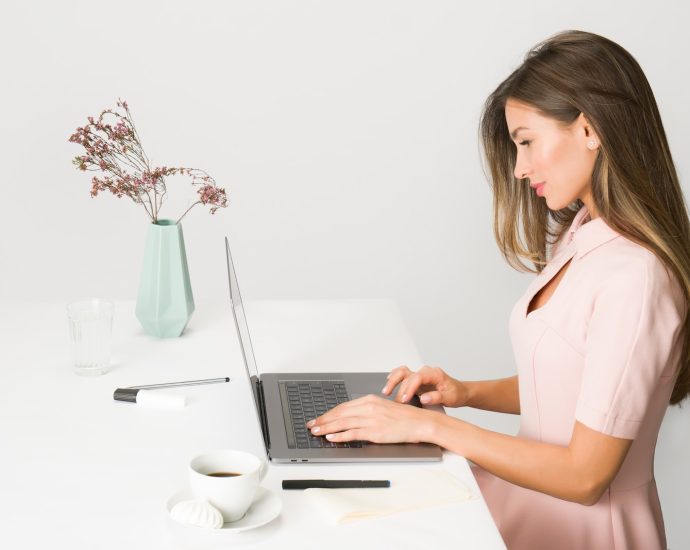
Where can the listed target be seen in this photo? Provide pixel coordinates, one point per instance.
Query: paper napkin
(410, 491)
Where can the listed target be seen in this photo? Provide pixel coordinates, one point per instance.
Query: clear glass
(91, 324)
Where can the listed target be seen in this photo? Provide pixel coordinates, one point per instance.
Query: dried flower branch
(114, 148)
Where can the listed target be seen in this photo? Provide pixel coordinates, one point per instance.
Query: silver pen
(177, 384)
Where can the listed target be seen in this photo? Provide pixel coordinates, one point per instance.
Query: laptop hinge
(263, 416)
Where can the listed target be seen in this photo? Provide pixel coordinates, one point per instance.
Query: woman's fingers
(364, 407)
(339, 425)
(425, 376)
(348, 435)
(411, 381)
(371, 418)
(367, 426)
(394, 378)
(336, 412)
(356, 414)
(431, 398)
(407, 387)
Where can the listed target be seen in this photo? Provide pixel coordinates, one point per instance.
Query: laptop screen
(243, 331)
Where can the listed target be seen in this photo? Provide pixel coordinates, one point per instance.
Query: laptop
(286, 401)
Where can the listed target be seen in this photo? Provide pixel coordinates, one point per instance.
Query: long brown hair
(634, 182)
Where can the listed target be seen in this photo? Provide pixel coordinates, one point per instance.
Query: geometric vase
(165, 302)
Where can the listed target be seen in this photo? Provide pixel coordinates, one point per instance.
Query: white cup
(232, 495)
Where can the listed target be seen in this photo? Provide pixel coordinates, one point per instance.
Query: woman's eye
(525, 142)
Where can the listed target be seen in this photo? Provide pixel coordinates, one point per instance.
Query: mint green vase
(165, 302)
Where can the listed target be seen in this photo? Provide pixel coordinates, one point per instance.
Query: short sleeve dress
(604, 351)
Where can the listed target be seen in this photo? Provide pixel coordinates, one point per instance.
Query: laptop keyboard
(307, 400)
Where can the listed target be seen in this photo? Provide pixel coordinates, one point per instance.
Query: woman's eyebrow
(514, 132)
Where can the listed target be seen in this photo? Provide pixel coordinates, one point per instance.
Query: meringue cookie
(197, 513)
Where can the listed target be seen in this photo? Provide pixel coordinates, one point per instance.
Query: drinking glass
(90, 323)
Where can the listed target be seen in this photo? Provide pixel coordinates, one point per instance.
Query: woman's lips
(538, 187)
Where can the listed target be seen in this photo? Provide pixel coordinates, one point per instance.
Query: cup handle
(263, 470)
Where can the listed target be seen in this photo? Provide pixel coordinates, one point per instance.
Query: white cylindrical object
(157, 399)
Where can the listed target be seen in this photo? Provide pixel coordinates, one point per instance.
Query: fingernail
(315, 430)
(424, 399)
(310, 423)
(404, 397)
(329, 436)
(384, 389)
(388, 377)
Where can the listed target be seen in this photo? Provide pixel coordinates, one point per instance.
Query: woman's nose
(522, 170)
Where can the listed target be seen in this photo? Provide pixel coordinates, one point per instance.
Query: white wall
(345, 133)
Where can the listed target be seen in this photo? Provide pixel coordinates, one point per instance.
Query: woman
(585, 189)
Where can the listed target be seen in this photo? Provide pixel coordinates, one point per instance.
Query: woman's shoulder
(626, 257)
(627, 267)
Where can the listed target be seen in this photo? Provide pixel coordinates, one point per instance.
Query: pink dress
(603, 350)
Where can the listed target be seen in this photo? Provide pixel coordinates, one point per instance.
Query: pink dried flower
(113, 147)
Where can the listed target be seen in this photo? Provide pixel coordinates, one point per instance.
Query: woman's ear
(586, 133)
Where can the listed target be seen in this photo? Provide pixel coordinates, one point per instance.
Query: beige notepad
(409, 491)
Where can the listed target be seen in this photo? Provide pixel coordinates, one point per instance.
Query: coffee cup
(228, 480)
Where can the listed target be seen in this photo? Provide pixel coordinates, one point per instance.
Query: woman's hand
(432, 384)
(373, 418)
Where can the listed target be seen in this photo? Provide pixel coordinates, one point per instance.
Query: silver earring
(591, 144)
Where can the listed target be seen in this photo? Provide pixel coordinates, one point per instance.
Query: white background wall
(345, 134)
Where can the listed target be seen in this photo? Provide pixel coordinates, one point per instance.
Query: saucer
(265, 507)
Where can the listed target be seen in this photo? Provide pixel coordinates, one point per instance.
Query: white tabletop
(78, 470)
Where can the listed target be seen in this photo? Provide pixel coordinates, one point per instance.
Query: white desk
(80, 471)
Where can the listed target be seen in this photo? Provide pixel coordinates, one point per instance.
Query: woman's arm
(494, 395)
(580, 472)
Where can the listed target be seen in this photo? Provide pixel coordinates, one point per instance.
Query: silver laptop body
(274, 395)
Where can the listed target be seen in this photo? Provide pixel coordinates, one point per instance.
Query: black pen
(335, 483)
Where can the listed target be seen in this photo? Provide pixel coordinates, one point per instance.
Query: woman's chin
(555, 204)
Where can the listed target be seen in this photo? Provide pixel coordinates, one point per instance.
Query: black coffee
(224, 474)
